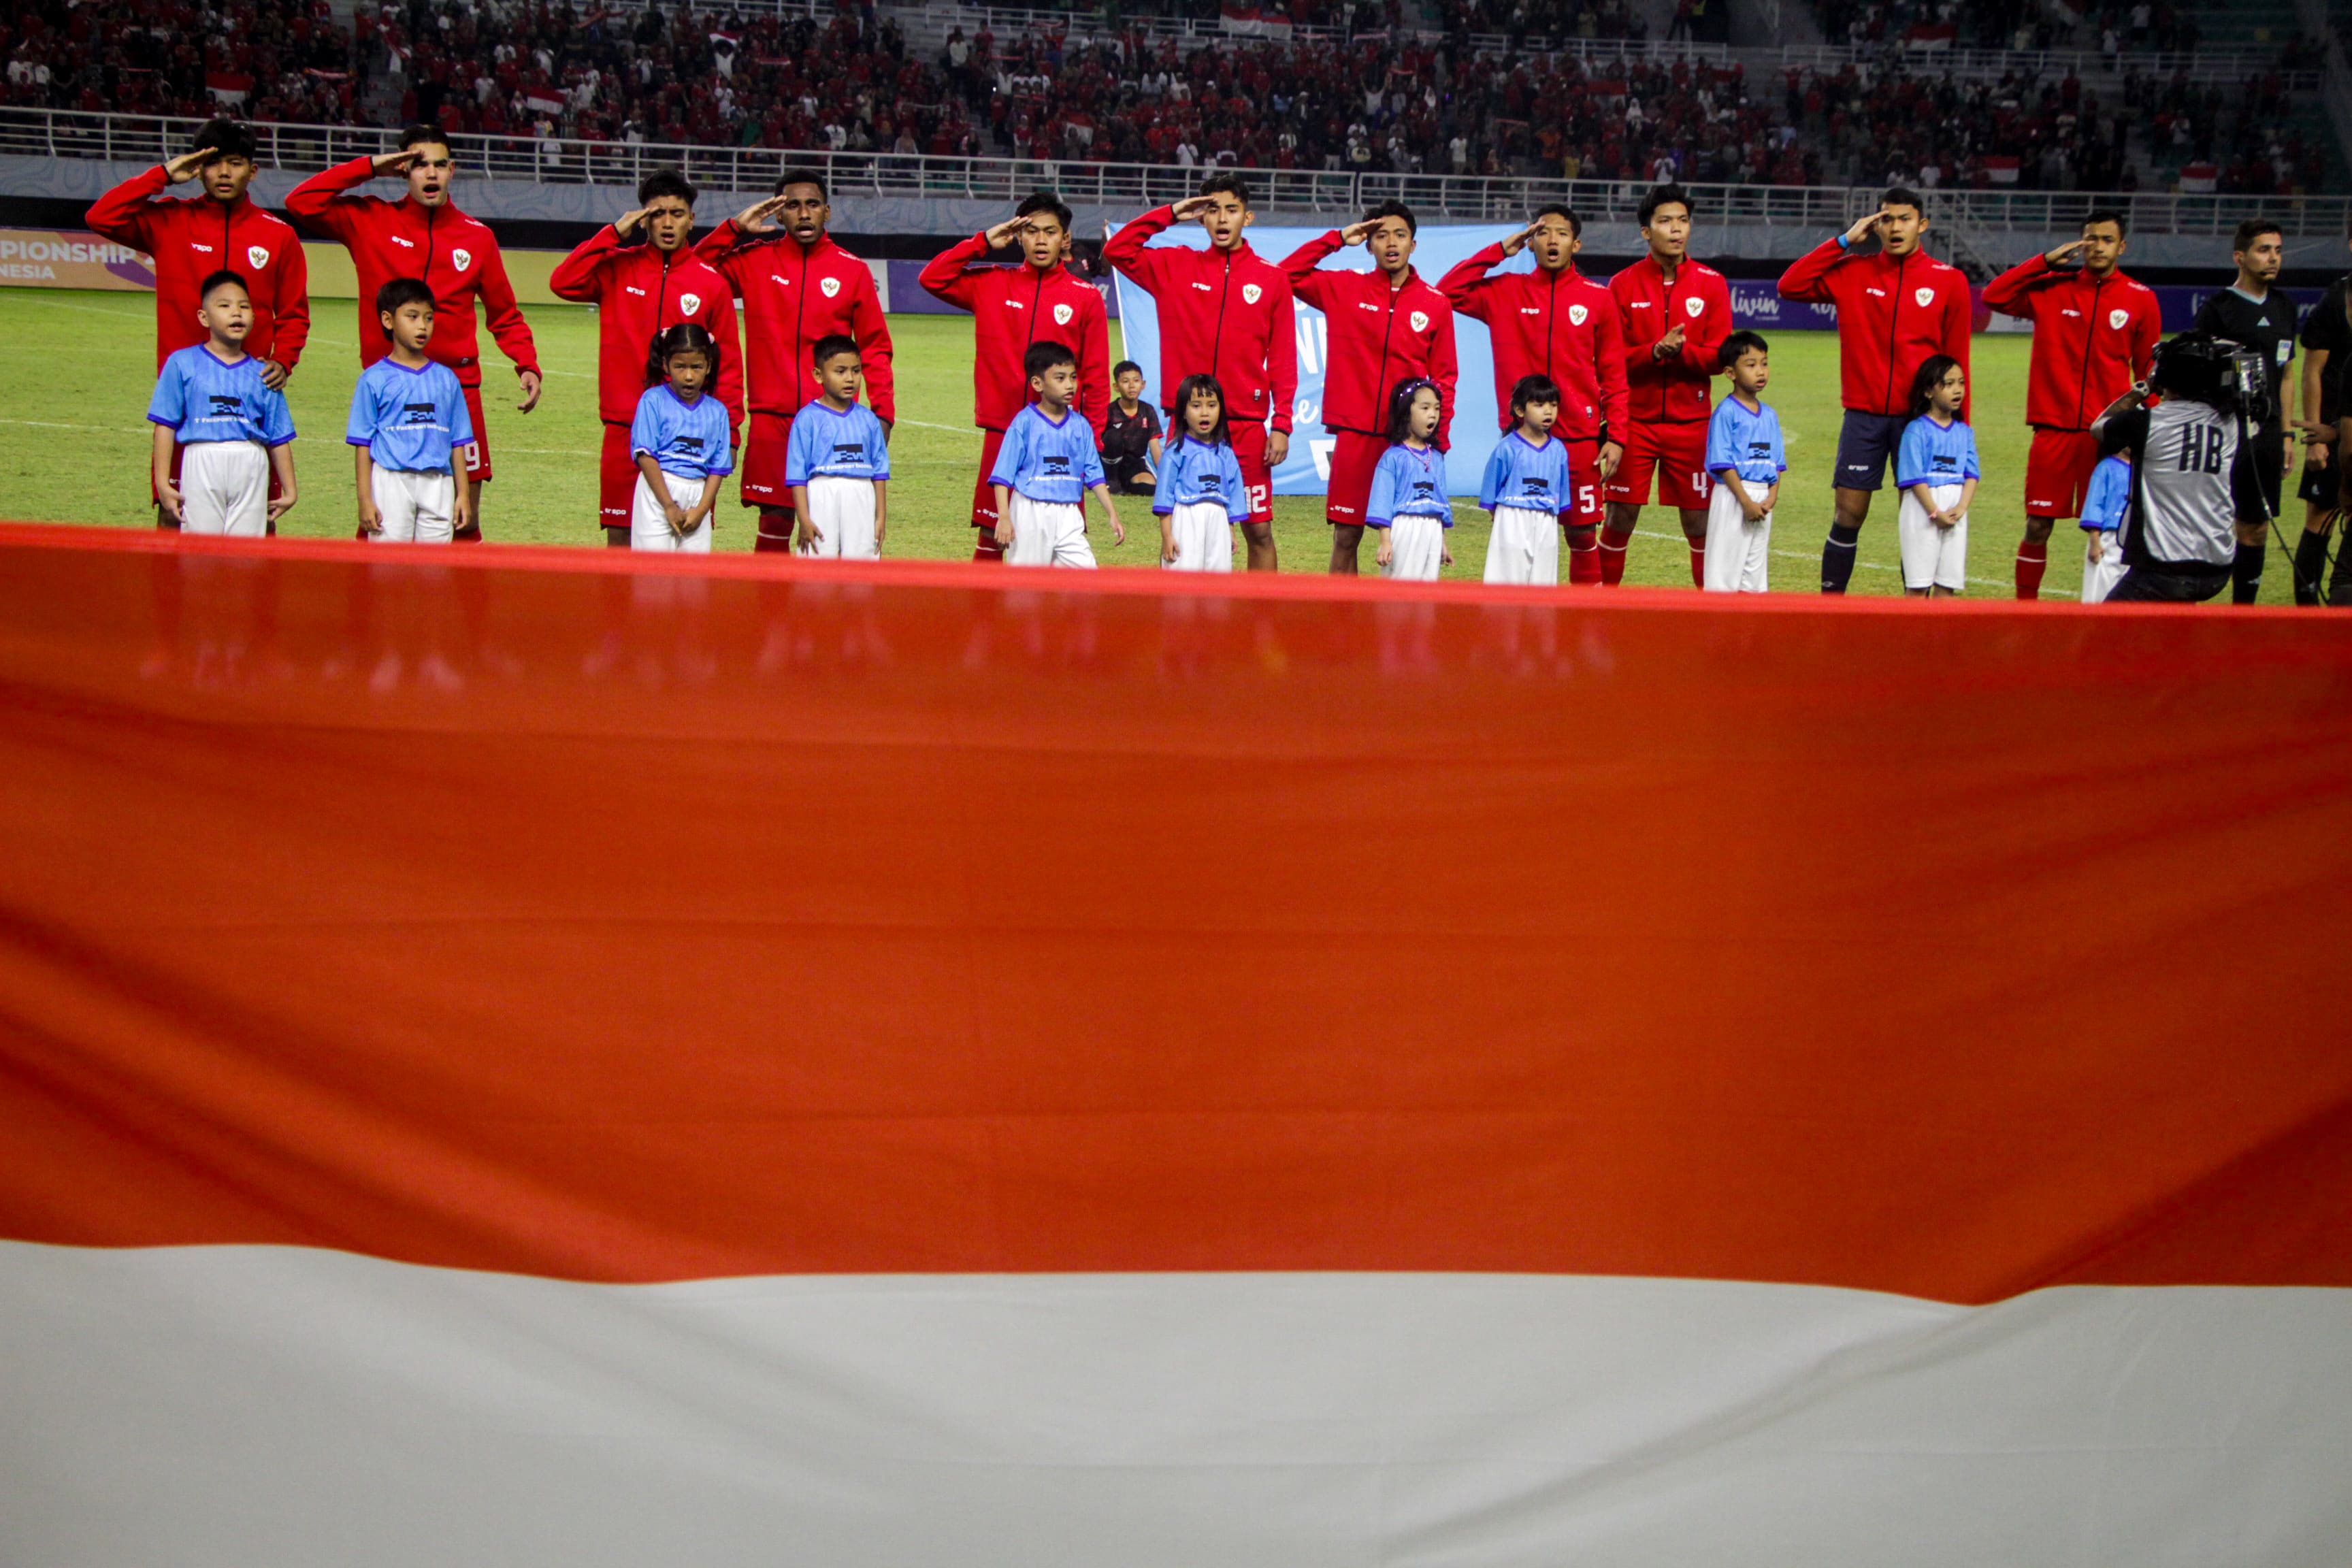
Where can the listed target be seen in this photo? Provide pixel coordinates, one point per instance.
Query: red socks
(1613, 555)
(1698, 562)
(1584, 563)
(2032, 560)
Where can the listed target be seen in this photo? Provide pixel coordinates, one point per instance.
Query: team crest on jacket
(1692, 307)
(1925, 296)
(1575, 314)
(1420, 320)
(258, 255)
(1062, 314)
(689, 303)
(2116, 319)
(1250, 291)
(464, 259)
(829, 287)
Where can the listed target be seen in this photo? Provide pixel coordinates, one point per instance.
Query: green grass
(74, 442)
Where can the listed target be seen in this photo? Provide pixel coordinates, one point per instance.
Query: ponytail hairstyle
(1925, 383)
(1401, 406)
(683, 338)
(1188, 389)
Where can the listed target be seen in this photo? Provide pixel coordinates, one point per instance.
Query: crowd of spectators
(2136, 25)
(268, 59)
(1383, 100)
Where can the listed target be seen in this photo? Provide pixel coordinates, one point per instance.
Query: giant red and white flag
(515, 1061)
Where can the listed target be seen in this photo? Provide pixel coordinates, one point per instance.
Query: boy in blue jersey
(1936, 468)
(233, 431)
(1046, 467)
(1526, 488)
(837, 461)
(1200, 484)
(2104, 501)
(1745, 454)
(682, 442)
(409, 429)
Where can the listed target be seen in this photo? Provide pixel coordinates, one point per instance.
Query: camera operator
(2194, 472)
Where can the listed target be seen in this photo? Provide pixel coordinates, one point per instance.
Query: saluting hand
(1005, 233)
(183, 168)
(398, 162)
(628, 221)
(1191, 206)
(1354, 232)
(2064, 253)
(753, 219)
(1863, 227)
(1518, 241)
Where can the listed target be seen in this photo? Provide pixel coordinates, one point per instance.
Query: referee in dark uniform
(2256, 312)
(2327, 354)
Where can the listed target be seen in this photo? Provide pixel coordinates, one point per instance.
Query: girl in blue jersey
(1408, 503)
(2104, 501)
(1199, 483)
(1936, 470)
(680, 441)
(1526, 487)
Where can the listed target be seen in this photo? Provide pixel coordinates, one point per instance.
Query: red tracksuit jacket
(191, 239)
(1226, 314)
(1562, 324)
(1013, 307)
(2093, 337)
(1374, 336)
(1677, 391)
(638, 292)
(1893, 316)
(455, 256)
(791, 297)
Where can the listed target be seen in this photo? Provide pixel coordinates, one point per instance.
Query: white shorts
(1416, 548)
(1203, 533)
(1738, 551)
(1932, 557)
(1048, 533)
(841, 515)
(2100, 577)
(418, 508)
(649, 524)
(1523, 546)
(224, 488)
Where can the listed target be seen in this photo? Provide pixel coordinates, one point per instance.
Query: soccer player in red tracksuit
(1041, 300)
(798, 287)
(1556, 321)
(425, 236)
(1676, 313)
(638, 290)
(221, 229)
(2095, 333)
(1380, 328)
(1224, 313)
(1897, 308)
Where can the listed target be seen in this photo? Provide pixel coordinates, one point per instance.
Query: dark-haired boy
(1131, 439)
(222, 434)
(2256, 312)
(1040, 301)
(1225, 311)
(1380, 327)
(1044, 468)
(409, 429)
(798, 287)
(1897, 308)
(641, 277)
(424, 235)
(1675, 314)
(1557, 322)
(2095, 334)
(838, 462)
(222, 229)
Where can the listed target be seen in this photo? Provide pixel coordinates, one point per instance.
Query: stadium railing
(68, 133)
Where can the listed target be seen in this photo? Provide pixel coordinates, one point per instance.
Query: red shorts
(1675, 452)
(2058, 471)
(616, 478)
(477, 456)
(983, 494)
(761, 473)
(1354, 456)
(1257, 478)
(1585, 509)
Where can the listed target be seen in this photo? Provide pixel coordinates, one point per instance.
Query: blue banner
(1309, 464)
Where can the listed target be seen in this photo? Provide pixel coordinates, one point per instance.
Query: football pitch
(74, 445)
